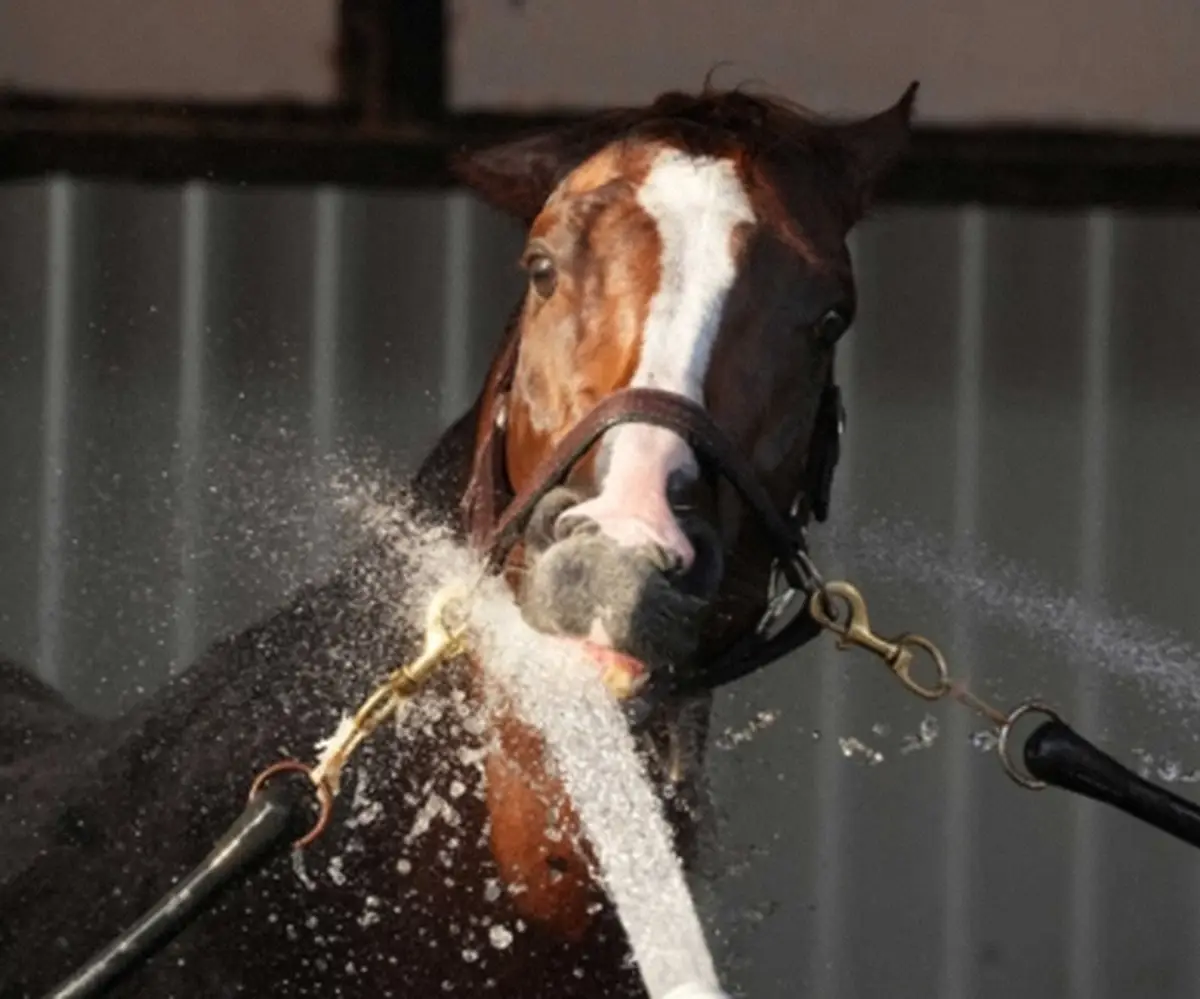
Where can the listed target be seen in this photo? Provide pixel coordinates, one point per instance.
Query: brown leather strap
(487, 493)
(680, 415)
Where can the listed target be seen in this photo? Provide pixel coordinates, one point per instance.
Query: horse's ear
(874, 144)
(517, 176)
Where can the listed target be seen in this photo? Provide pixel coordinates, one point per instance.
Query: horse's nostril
(703, 577)
(569, 524)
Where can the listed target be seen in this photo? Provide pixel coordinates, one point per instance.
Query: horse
(687, 277)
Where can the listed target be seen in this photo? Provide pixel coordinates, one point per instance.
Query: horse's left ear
(517, 176)
(873, 145)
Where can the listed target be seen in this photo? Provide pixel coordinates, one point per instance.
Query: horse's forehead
(627, 162)
(631, 165)
(630, 172)
(624, 164)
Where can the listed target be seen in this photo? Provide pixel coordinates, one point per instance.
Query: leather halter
(495, 517)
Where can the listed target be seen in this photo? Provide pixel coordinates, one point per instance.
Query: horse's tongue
(622, 674)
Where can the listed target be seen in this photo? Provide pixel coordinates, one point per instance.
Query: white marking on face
(696, 203)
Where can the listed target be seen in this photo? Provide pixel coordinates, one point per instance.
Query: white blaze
(696, 204)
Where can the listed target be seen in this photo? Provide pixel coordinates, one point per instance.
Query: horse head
(696, 247)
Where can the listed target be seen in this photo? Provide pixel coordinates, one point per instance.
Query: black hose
(1057, 754)
(268, 822)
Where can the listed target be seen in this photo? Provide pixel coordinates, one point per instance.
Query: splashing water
(1001, 590)
(557, 689)
(289, 518)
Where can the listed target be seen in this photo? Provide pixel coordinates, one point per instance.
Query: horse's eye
(543, 276)
(832, 325)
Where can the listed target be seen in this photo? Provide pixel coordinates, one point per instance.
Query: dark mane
(715, 123)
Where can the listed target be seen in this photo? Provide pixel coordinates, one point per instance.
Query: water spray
(274, 818)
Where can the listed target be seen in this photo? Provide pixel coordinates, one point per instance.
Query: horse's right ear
(517, 176)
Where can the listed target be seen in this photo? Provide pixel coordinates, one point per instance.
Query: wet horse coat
(413, 898)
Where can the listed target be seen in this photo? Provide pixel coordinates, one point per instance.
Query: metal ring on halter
(1010, 767)
(324, 796)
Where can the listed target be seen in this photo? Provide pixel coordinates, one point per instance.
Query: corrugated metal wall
(1019, 485)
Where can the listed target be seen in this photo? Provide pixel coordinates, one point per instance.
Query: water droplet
(985, 740)
(500, 937)
(853, 747)
(925, 737)
(1169, 771)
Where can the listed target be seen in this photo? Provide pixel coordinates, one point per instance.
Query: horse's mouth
(622, 674)
(634, 619)
(630, 622)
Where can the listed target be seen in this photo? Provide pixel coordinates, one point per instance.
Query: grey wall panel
(1089, 902)
(22, 346)
(1154, 479)
(252, 491)
(1028, 439)
(185, 372)
(118, 521)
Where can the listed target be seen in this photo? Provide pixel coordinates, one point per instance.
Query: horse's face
(655, 267)
(700, 250)
(696, 246)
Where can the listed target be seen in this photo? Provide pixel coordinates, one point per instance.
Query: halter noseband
(495, 517)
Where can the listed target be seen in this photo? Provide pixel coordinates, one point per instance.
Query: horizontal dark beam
(1011, 166)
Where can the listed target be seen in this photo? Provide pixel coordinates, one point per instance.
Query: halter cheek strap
(825, 450)
(488, 490)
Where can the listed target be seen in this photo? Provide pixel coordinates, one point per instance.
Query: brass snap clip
(853, 628)
(445, 639)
